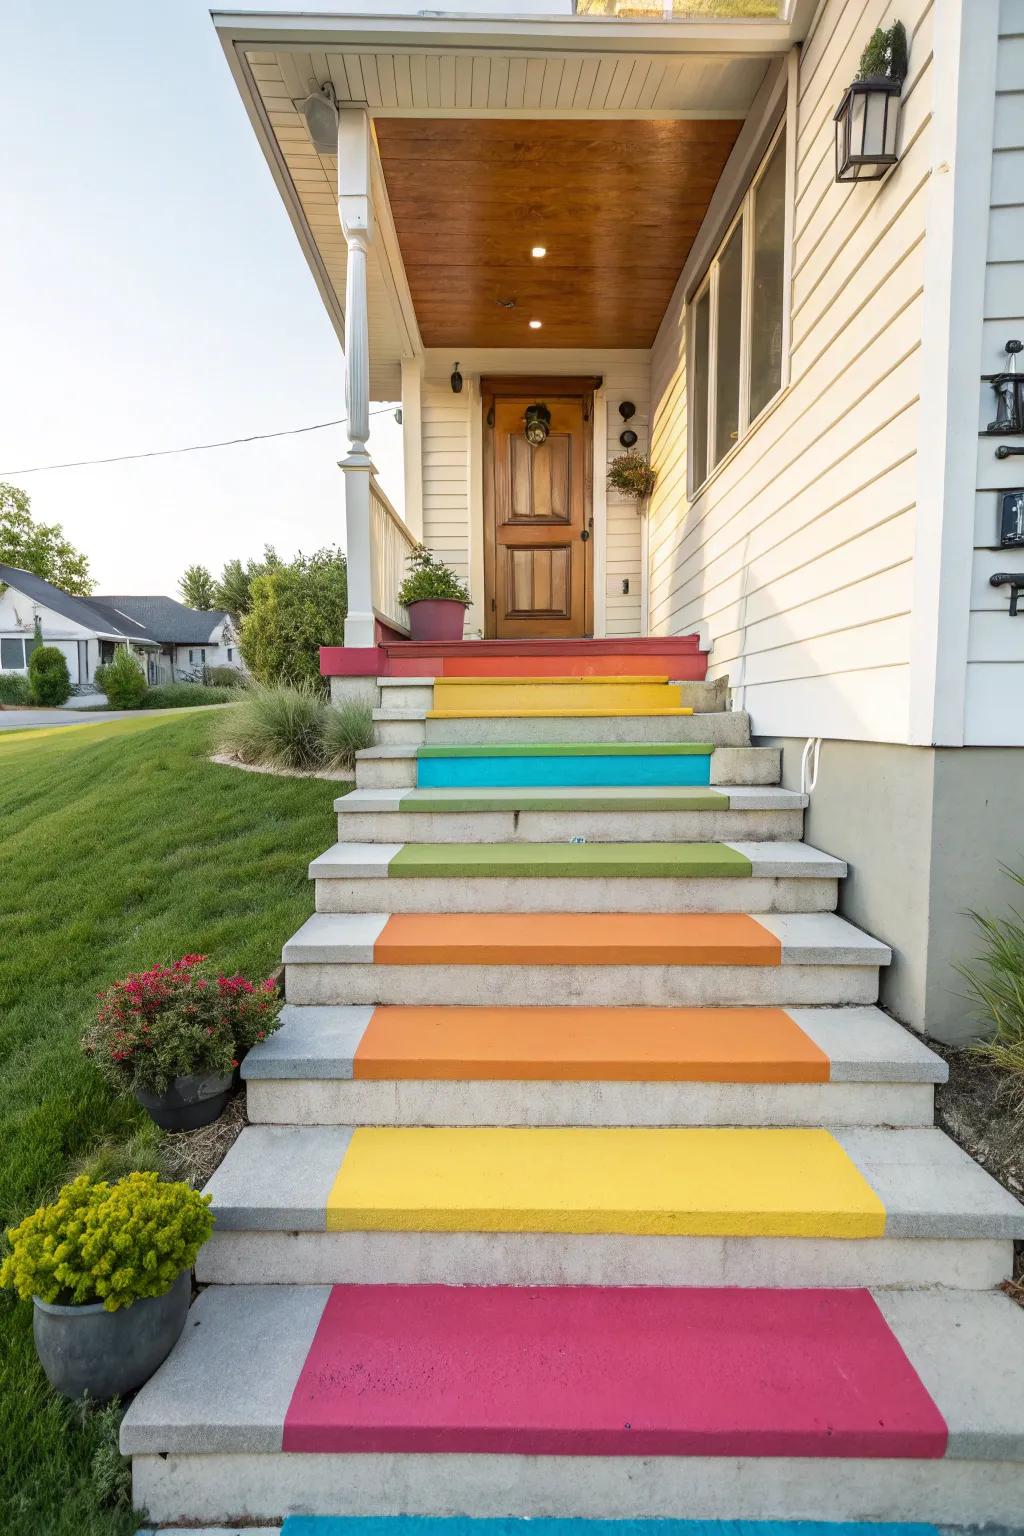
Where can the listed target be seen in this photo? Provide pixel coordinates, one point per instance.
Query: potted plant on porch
(434, 596)
(174, 1036)
(108, 1268)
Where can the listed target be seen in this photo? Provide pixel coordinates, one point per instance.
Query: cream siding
(795, 561)
(995, 652)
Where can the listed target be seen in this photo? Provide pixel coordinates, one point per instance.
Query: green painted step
(585, 860)
(576, 749)
(679, 798)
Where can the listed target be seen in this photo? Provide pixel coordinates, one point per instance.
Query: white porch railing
(391, 542)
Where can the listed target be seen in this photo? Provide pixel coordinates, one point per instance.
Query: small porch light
(321, 113)
(538, 424)
(1009, 390)
(539, 251)
(867, 118)
(456, 380)
(535, 325)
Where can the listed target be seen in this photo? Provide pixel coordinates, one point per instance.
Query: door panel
(537, 518)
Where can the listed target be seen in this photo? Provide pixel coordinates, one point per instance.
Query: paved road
(32, 719)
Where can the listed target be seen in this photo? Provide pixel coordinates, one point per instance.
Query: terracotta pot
(108, 1354)
(436, 618)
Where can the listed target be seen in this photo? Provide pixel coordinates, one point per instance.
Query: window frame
(743, 214)
(14, 640)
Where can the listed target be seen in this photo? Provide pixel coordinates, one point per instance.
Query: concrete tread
(639, 798)
(775, 860)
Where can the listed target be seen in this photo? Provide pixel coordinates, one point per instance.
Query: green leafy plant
(885, 56)
(996, 983)
(49, 681)
(631, 475)
(14, 688)
(225, 677)
(429, 579)
(276, 726)
(294, 609)
(111, 1472)
(173, 1021)
(197, 588)
(122, 680)
(109, 1243)
(348, 730)
(185, 695)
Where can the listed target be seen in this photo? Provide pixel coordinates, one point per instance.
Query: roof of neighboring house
(164, 619)
(91, 613)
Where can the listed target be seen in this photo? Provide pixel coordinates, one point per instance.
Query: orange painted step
(574, 938)
(696, 1045)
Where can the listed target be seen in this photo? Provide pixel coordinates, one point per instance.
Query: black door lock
(585, 534)
(1012, 579)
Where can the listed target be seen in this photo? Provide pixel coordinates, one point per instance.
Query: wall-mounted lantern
(1009, 388)
(1011, 520)
(456, 381)
(1012, 579)
(537, 424)
(867, 118)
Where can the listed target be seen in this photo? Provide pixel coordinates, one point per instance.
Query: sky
(153, 294)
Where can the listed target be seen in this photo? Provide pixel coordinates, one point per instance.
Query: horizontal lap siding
(995, 649)
(445, 452)
(624, 381)
(796, 561)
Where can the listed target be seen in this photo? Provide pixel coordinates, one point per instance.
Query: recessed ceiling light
(539, 250)
(535, 325)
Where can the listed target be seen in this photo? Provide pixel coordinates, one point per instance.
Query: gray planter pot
(189, 1102)
(108, 1354)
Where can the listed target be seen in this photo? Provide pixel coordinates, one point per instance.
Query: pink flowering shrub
(175, 1020)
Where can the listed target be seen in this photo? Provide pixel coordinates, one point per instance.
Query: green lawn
(121, 845)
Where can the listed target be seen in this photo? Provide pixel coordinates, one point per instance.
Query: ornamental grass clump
(276, 726)
(178, 1021)
(109, 1243)
(996, 982)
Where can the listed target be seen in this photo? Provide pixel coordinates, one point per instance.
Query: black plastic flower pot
(189, 1103)
(109, 1354)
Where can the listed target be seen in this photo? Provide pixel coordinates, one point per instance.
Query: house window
(12, 656)
(736, 321)
(231, 654)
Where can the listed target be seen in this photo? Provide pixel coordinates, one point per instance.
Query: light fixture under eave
(321, 113)
(535, 325)
(868, 117)
(539, 251)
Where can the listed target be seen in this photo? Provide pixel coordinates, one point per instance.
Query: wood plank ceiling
(615, 203)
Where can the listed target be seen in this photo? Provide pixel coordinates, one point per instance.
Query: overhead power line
(159, 453)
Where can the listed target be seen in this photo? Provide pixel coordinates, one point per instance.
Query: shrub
(14, 688)
(49, 681)
(996, 983)
(113, 1243)
(294, 609)
(348, 729)
(631, 475)
(171, 1021)
(277, 726)
(122, 680)
(429, 578)
(225, 677)
(184, 695)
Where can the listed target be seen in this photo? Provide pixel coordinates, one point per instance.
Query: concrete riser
(525, 894)
(609, 985)
(729, 765)
(345, 1101)
(727, 729)
(552, 826)
(224, 1489)
(546, 1258)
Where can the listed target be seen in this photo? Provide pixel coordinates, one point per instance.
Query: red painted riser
(598, 1371)
(676, 657)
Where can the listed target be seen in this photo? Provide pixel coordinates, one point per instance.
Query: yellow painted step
(696, 1182)
(549, 713)
(552, 695)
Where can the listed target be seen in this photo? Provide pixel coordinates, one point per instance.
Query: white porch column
(355, 212)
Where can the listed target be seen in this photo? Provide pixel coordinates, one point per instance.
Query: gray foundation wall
(925, 832)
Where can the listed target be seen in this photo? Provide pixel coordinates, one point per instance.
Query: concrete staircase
(585, 1177)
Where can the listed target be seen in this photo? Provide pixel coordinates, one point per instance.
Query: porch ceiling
(616, 205)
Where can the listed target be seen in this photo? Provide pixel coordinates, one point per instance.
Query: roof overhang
(424, 66)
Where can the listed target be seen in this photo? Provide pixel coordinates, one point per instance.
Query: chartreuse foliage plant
(109, 1243)
(429, 579)
(122, 680)
(49, 681)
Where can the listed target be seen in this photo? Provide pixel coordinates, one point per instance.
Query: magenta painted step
(596, 1371)
(677, 656)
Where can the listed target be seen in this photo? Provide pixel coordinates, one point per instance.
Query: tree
(48, 678)
(295, 608)
(39, 547)
(233, 592)
(196, 588)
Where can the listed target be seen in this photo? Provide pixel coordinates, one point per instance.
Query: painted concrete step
(420, 1525)
(396, 765)
(730, 728)
(591, 1066)
(512, 696)
(427, 1400)
(576, 877)
(676, 655)
(418, 692)
(612, 814)
(548, 764)
(607, 959)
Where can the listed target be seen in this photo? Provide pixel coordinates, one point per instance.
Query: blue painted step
(421, 1525)
(569, 766)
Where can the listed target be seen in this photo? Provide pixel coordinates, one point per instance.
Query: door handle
(585, 534)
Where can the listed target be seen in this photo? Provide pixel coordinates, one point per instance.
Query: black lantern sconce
(537, 424)
(867, 118)
(1009, 389)
(628, 438)
(456, 381)
(1011, 520)
(1015, 581)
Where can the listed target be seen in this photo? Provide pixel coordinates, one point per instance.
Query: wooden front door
(538, 544)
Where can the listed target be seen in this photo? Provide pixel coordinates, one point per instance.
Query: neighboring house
(170, 640)
(638, 223)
